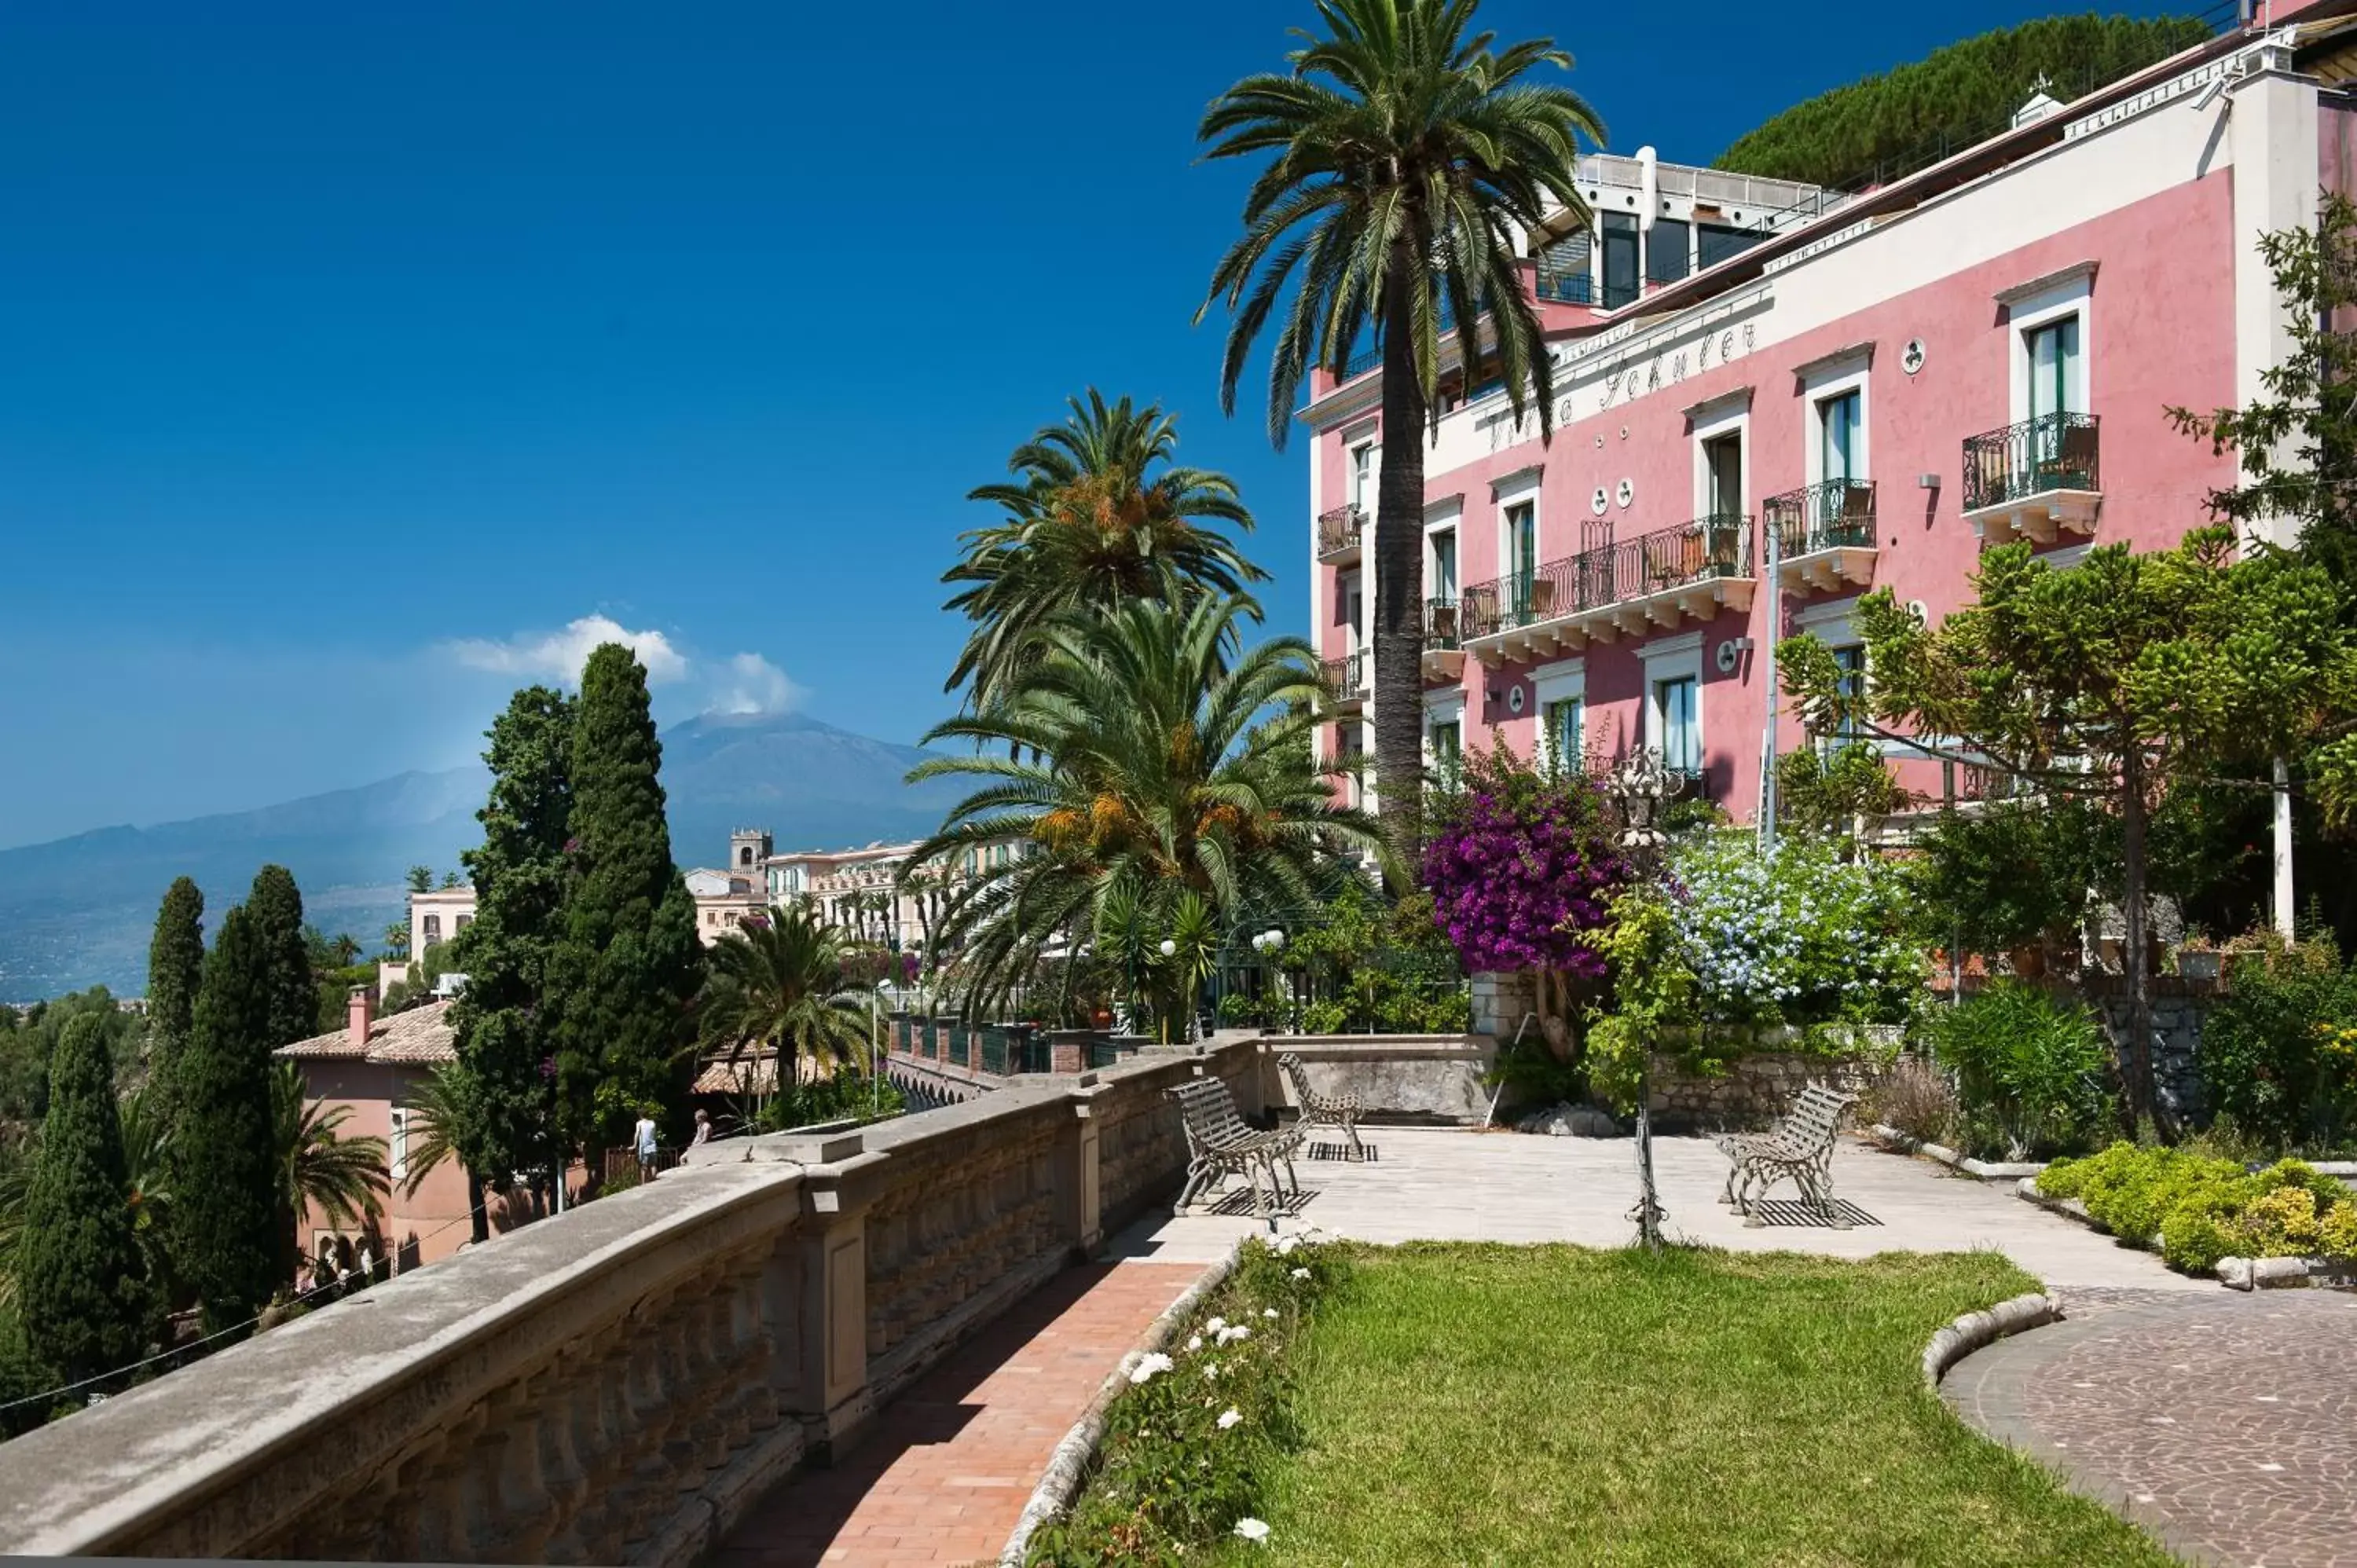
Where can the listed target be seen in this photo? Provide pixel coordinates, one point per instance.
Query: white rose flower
(1149, 1365)
(1216, 1324)
(1229, 1417)
(1301, 1273)
(1195, 1342)
(1285, 1248)
(1251, 1528)
(1268, 1312)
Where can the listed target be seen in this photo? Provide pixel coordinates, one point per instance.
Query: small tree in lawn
(2105, 681)
(1522, 872)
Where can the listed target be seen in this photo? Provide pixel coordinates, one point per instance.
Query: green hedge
(2195, 1209)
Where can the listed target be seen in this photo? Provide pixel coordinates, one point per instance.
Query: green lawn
(1466, 1404)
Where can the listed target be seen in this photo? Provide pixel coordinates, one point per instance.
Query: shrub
(2195, 1209)
(1797, 936)
(2278, 1054)
(1520, 867)
(2031, 1069)
(1187, 1446)
(1914, 1098)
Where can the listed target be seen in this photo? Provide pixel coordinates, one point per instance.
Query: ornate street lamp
(1642, 788)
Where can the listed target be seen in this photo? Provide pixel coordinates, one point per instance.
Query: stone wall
(1755, 1090)
(1429, 1078)
(618, 1383)
(2177, 1008)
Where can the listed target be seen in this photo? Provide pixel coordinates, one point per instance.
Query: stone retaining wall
(619, 1383)
(1755, 1092)
(1428, 1079)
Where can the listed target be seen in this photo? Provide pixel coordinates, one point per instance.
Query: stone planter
(2205, 963)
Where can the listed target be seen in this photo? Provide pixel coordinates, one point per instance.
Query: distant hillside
(77, 911)
(1875, 130)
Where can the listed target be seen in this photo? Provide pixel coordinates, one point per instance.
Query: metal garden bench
(1218, 1143)
(1800, 1149)
(1322, 1110)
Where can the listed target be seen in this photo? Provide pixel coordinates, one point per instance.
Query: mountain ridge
(76, 911)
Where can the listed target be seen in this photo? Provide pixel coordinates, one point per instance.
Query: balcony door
(1444, 566)
(1722, 458)
(1362, 477)
(1522, 554)
(1681, 736)
(1841, 460)
(2057, 390)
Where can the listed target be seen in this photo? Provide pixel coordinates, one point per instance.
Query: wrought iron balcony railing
(1346, 678)
(1833, 515)
(1573, 286)
(2035, 457)
(1338, 531)
(1708, 549)
(1443, 625)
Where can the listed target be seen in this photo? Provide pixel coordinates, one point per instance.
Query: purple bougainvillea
(1521, 868)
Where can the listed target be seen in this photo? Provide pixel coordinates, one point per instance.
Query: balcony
(1631, 588)
(1346, 683)
(1444, 646)
(2036, 480)
(1824, 536)
(1338, 532)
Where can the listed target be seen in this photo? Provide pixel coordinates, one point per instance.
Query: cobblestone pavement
(2225, 1424)
(944, 1474)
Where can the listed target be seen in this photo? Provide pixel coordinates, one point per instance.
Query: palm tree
(439, 1108)
(145, 1134)
(1088, 524)
(779, 987)
(1136, 762)
(343, 1179)
(1409, 160)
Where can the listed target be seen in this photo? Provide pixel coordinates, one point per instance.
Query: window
(1442, 738)
(1444, 566)
(1619, 259)
(2056, 385)
(1722, 458)
(1850, 660)
(1565, 271)
(1522, 546)
(1562, 726)
(1681, 736)
(1354, 604)
(462, 923)
(1715, 241)
(432, 927)
(1838, 419)
(398, 1144)
(1665, 251)
(1362, 473)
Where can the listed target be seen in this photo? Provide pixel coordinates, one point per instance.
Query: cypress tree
(629, 964)
(224, 1188)
(504, 1032)
(275, 907)
(176, 964)
(83, 1288)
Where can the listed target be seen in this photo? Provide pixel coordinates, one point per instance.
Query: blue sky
(358, 361)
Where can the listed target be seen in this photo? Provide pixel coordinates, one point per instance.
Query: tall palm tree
(1097, 513)
(343, 1178)
(144, 1159)
(1408, 159)
(1136, 761)
(440, 1107)
(779, 987)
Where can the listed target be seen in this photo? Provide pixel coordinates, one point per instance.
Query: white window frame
(1446, 517)
(1562, 683)
(1736, 422)
(397, 1142)
(1355, 483)
(1444, 707)
(2072, 297)
(1671, 659)
(1840, 381)
(1505, 494)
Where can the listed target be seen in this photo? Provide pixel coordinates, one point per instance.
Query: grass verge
(1461, 1404)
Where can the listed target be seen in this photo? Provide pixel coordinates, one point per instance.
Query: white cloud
(748, 683)
(559, 655)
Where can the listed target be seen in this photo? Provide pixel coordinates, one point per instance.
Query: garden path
(2220, 1421)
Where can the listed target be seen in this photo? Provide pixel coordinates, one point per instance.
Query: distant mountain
(77, 911)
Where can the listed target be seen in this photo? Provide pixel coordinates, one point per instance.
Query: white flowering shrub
(1186, 1446)
(1795, 937)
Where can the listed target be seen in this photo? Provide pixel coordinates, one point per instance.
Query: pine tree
(223, 1183)
(84, 1287)
(503, 1031)
(275, 907)
(630, 965)
(176, 965)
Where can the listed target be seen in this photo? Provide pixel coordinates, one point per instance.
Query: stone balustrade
(618, 1384)
(1415, 1078)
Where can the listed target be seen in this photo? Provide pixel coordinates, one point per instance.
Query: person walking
(645, 1137)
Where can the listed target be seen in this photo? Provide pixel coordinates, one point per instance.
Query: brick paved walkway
(944, 1474)
(2225, 1424)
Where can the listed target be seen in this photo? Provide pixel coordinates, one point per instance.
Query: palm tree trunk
(1399, 576)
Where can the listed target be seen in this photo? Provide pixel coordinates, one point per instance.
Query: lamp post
(1642, 786)
(1168, 950)
(1268, 944)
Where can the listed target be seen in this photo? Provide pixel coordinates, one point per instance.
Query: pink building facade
(1866, 393)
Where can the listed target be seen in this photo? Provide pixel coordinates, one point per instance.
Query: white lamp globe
(1169, 947)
